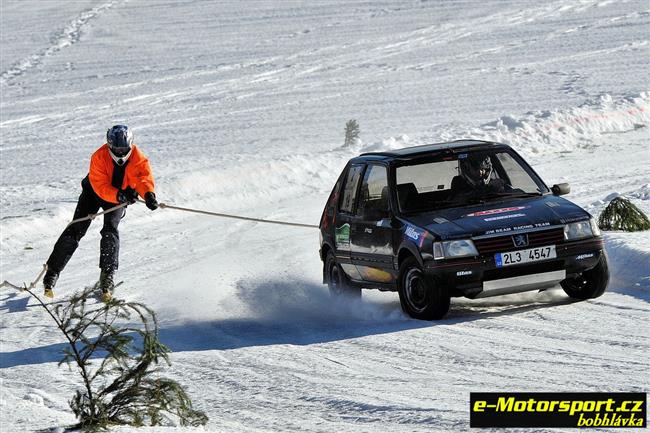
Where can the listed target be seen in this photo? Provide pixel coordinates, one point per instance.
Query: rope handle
(92, 216)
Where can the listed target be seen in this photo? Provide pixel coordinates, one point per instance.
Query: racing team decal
(522, 227)
(495, 211)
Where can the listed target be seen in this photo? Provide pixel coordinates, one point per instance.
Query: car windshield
(463, 179)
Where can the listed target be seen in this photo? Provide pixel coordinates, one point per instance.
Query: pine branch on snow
(621, 214)
(116, 350)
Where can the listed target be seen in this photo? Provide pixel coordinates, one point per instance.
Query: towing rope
(198, 211)
(92, 216)
(223, 215)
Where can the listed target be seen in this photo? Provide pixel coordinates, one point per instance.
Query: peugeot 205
(465, 218)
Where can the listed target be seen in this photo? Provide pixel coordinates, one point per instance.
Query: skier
(118, 172)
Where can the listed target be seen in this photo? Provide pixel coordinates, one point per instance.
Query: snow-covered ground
(241, 108)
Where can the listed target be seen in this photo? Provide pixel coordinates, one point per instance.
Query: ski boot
(106, 284)
(49, 280)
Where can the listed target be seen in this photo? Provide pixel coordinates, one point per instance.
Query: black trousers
(89, 203)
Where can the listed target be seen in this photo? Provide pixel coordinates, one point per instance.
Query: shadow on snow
(303, 313)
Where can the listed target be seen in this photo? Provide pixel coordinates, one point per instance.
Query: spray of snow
(303, 302)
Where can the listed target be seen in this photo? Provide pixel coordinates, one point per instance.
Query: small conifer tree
(351, 132)
(621, 214)
(116, 350)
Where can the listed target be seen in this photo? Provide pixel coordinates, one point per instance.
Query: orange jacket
(137, 174)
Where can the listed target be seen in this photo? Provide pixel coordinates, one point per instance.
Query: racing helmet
(119, 139)
(476, 168)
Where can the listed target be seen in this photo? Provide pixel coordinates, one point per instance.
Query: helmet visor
(120, 152)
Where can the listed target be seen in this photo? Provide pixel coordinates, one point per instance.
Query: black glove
(150, 199)
(127, 195)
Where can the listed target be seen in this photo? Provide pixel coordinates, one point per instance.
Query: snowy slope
(242, 110)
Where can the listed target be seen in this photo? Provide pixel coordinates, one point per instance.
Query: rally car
(464, 218)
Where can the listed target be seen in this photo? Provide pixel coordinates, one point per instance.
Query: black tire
(420, 296)
(337, 282)
(590, 284)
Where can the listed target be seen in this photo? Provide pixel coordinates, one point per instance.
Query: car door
(345, 217)
(371, 234)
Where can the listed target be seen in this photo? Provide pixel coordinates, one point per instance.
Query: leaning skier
(119, 172)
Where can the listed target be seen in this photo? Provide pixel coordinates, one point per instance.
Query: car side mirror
(561, 189)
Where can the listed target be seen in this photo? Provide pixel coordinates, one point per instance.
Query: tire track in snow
(66, 37)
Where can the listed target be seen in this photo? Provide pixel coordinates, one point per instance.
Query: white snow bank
(539, 132)
(388, 144)
(642, 193)
(243, 182)
(545, 131)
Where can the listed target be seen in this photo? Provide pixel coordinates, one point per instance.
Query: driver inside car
(475, 177)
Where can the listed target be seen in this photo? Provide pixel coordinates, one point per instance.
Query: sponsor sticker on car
(415, 234)
(342, 236)
(495, 211)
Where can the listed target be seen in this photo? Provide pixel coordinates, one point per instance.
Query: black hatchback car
(465, 218)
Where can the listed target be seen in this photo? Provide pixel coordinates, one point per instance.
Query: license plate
(525, 256)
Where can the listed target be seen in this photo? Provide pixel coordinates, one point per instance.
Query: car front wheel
(337, 282)
(590, 284)
(420, 296)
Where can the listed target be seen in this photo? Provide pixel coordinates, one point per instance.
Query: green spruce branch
(622, 214)
(116, 350)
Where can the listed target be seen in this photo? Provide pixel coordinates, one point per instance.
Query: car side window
(373, 198)
(350, 188)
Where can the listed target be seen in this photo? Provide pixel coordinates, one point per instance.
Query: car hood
(499, 216)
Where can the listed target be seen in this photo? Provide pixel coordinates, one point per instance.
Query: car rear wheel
(337, 282)
(590, 284)
(420, 296)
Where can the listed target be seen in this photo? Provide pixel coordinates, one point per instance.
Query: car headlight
(579, 230)
(453, 249)
(594, 227)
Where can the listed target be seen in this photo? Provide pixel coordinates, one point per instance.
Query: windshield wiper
(512, 194)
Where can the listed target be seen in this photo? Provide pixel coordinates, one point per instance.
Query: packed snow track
(242, 111)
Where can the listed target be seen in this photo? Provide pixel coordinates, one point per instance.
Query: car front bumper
(481, 277)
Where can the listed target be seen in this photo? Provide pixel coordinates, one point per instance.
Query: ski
(94, 287)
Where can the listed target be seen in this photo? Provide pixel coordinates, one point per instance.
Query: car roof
(426, 149)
